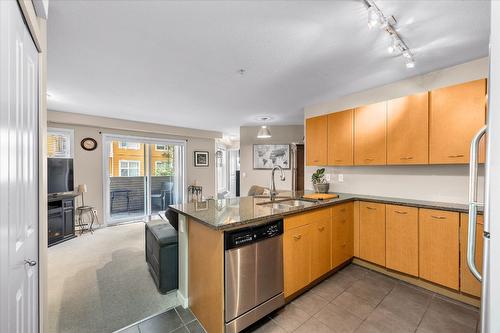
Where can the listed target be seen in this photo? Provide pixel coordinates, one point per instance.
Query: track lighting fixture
(397, 44)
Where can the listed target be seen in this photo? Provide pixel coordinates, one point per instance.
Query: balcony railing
(127, 195)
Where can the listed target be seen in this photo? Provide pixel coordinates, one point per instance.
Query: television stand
(61, 218)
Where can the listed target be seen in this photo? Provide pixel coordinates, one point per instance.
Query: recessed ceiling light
(242, 71)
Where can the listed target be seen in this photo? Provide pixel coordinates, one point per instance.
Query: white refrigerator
(490, 276)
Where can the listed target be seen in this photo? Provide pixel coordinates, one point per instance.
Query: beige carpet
(100, 282)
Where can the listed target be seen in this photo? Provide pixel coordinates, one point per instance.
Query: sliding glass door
(142, 177)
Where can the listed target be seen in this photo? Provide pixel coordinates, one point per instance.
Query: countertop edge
(460, 208)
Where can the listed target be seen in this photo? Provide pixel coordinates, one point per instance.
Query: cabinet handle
(400, 212)
(297, 237)
(338, 160)
(321, 228)
(438, 217)
(342, 210)
(406, 158)
(370, 208)
(315, 160)
(369, 159)
(456, 156)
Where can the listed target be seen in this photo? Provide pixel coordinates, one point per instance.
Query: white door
(490, 305)
(18, 173)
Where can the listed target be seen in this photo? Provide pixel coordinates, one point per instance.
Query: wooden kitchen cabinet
(321, 242)
(456, 114)
(297, 258)
(356, 228)
(402, 239)
(370, 134)
(439, 247)
(408, 130)
(372, 232)
(468, 283)
(317, 141)
(340, 138)
(342, 233)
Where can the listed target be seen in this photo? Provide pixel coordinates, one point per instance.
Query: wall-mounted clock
(88, 144)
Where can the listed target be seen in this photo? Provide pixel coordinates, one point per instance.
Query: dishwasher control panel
(249, 235)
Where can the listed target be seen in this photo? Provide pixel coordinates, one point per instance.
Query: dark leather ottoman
(162, 255)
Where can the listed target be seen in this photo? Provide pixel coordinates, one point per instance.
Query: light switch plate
(341, 178)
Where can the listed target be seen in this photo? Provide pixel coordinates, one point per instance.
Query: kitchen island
(319, 237)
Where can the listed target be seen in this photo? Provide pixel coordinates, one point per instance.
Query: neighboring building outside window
(161, 147)
(60, 142)
(129, 145)
(130, 168)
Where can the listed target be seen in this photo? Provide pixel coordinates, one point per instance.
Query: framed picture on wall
(266, 157)
(201, 158)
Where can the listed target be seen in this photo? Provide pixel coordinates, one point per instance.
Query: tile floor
(354, 299)
(360, 300)
(176, 320)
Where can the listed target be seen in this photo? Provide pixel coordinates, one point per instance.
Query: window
(221, 170)
(161, 147)
(130, 168)
(129, 145)
(59, 143)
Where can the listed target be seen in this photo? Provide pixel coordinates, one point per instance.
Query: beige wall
(88, 165)
(437, 183)
(248, 137)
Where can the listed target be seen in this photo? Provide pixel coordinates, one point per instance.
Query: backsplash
(444, 183)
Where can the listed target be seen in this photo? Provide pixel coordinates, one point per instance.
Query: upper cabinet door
(456, 114)
(408, 130)
(370, 134)
(317, 140)
(340, 138)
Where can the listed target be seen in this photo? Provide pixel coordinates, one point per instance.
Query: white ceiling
(176, 62)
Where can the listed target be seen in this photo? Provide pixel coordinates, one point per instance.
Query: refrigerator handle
(473, 204)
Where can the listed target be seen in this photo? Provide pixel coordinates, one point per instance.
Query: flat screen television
(60, 175)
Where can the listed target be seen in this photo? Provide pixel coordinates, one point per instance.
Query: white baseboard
(184, 302)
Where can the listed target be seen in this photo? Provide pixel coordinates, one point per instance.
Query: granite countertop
(229, 213)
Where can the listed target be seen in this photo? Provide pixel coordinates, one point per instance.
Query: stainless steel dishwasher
(253, 270)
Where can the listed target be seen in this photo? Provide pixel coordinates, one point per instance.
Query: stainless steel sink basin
(287, 204)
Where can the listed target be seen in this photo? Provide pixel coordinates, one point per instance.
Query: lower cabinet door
(372, 232)
(297, 258)
(401, 227)
(321, 245)
(342, 233)
(468, 283)
(439, 247)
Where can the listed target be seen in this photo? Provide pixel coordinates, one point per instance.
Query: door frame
(108, 137)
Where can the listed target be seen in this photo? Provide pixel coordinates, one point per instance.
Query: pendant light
(264, 132)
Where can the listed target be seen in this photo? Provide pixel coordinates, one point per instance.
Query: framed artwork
(266, 157)
(201, 158)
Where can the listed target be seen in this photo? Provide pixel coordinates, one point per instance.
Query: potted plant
(319, 181)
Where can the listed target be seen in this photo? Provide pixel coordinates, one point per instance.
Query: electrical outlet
(341, 178)
(328, 177)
